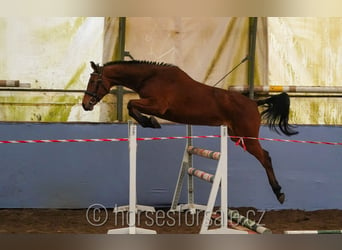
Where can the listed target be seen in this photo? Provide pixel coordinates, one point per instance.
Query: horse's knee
(130, 107)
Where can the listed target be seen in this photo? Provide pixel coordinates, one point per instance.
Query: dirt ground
(99, 221)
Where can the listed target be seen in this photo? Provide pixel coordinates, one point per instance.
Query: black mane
(139, 62)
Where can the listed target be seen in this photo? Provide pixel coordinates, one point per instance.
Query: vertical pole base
(223, 231)
(191, 207)
(131, 230)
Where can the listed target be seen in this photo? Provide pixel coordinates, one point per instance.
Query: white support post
(220, 180)
(132, 208)
(186, 164)
(221, 177)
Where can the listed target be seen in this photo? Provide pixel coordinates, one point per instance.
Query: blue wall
(76, 175)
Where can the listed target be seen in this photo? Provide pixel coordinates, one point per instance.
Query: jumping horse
(169, 93)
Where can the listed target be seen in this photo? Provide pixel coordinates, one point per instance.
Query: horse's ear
(94, 66)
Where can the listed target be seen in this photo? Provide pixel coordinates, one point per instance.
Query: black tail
(277, 113)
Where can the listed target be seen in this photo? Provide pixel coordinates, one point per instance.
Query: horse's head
(97, 88)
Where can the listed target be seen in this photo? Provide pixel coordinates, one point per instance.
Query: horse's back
(192, 102)
(235, 103)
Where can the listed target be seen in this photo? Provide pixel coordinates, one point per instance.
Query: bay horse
(169, 93)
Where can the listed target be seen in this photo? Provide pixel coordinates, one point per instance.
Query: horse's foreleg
(144, 121)
(135, 107)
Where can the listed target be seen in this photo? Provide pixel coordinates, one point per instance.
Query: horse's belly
(196, 117)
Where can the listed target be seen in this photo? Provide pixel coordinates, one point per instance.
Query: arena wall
(76, 175)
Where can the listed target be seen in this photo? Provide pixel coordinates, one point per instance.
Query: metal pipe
(121, 56)
(294, 89)
(41, 90)
(14, 83)
(243, 89)
(253, 21)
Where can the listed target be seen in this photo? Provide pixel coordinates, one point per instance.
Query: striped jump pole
(204, 153)
(14, 83)
(186, 168)
(201, 175)
(313, 232)
(239, 222)
(245, 222)
(219, 180)
(294, 89)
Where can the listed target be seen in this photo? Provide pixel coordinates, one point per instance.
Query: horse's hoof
(281, 198)
(154, 122)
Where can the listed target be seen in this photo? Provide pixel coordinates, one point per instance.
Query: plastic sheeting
(307, 52)
(289, 51)
(48, 53)
(205, 48)
(55, 53)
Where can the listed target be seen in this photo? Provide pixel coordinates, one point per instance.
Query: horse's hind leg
(254, 147)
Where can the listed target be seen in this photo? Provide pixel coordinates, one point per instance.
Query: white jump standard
(132, 208)
(220, 179)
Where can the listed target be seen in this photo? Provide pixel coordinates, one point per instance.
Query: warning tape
(164, 138)
(287, 140)
(105, 139)
(312, 142)
(62, 140)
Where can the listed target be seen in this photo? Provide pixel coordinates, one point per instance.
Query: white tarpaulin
(54, 53)
(205, 48)
(47, 53)
(307, 52)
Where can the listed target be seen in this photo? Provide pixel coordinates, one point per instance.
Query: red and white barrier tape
(241, 138)
(105, 139)
(286, 140)
(63, 140)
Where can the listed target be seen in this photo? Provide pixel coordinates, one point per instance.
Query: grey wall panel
(76, 175)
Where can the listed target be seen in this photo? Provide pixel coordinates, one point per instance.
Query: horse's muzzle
(87, 107)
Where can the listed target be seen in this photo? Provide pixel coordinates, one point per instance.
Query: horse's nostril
(92, 101)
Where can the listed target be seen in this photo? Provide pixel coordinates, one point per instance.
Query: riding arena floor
(83, 221)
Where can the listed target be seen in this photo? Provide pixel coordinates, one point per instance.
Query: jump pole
(220, 180)
(132, 208)
(185, 166)
(313, 232)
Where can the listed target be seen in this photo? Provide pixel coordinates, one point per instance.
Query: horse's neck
(129, 76)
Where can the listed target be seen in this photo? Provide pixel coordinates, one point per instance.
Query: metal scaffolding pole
(253, 21)
(121, 56)
(292, 89)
